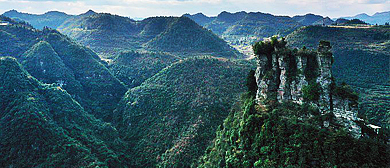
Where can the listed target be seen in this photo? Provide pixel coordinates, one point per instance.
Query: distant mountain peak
(11, 12)
(200, 14)
(382, 13)
(362, 15)
(89, 12)
(377, 18)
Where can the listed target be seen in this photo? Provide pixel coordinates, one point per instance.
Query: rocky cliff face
(301, 76)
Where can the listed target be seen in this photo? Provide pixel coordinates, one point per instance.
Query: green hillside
(42, 62)
(242, 29)
(42, 126)
(184, 36)
(309, 19)
(16, 38)
(289, 135)
(361, 59)
(170, 119)
(54, 58)
(51, 19)
(133, 68)
(108, 35)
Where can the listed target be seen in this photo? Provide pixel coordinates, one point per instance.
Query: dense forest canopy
(103, 90)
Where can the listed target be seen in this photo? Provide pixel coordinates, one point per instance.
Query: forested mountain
(308, 19)
(53, 58)
(242, 29)
(133, 68)
(361, 60)
(189, 95)
(43, 126)
(51, 19)
(109, 35)
(246, 25)
(294, 117)
(171, 118)
(378, 18)
(285, 136)
(165, 91)
(184, 36)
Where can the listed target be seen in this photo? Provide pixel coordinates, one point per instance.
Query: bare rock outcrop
(301, 76)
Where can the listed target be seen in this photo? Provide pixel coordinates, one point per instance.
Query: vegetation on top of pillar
(324, 48)
(267, 47)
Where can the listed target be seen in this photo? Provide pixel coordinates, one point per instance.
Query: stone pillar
(284, 92)
(324, 59)
(267, 78)
(259, 75)
(297, 85)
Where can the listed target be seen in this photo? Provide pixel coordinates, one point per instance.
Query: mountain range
(42, 125)
(379, 18)
(102, 90)
(242, 29)
(108, 34)
(185, 93)
(54, 58)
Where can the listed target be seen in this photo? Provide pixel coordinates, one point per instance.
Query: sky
(147, 8)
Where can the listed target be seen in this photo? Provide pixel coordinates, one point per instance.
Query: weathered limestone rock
(259, 75)
(284, 87)
(267, 77)
(324, 59)
(275, 84)
(346, 115)
(297, 85)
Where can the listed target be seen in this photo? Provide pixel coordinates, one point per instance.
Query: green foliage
(263, 48)
(311, 92)
(108, 35)
(184, 35)
(55, 59)
(133, 68)
(292, 69)
(311, 69)
(360, 59)
(243, 29)
(51, 19)
(268, 47)
(345, 91)
(355, 22)
(289, 135)
(42, 126)
(172, 117)
(251, 83)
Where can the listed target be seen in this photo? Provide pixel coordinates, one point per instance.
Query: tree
(251, 83)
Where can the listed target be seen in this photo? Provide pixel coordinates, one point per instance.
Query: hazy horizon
(149, 8)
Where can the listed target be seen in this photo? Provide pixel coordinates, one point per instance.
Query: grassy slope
(171, 117)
